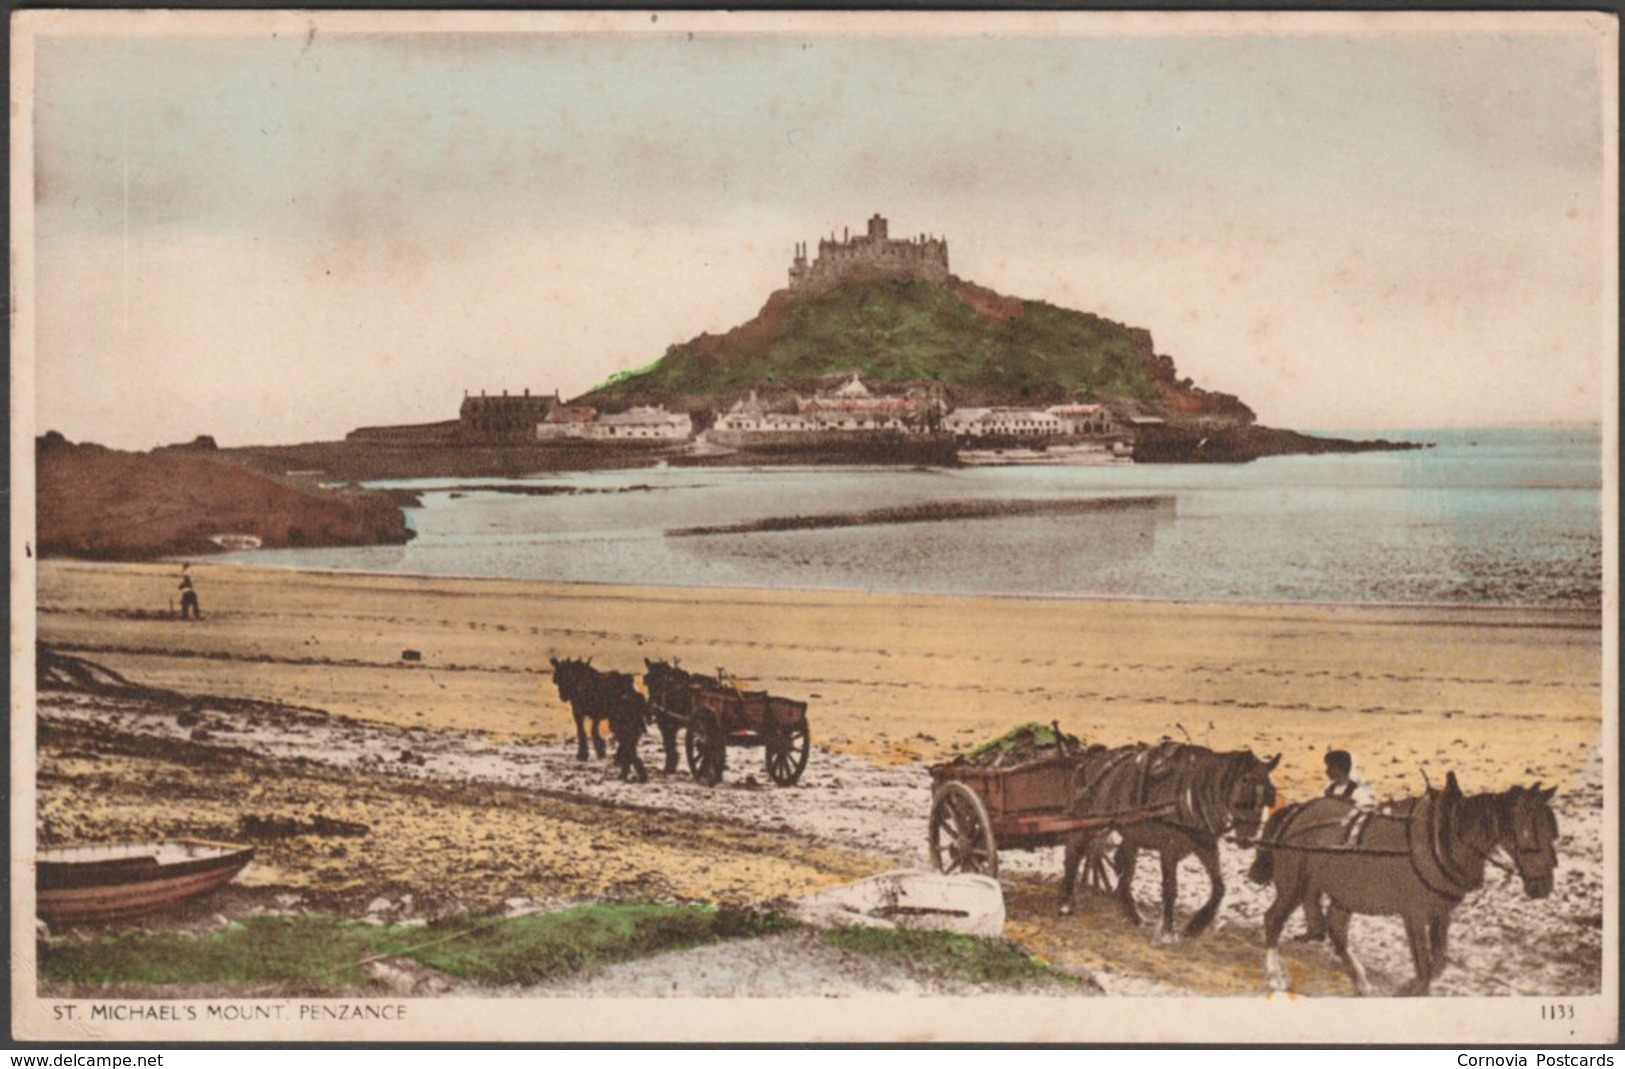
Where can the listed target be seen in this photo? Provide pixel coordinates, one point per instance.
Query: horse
(1417, 864)
(671, 691)
(1175, 798)
(600, 696)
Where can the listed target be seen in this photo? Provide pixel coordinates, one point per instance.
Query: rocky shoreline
(1240, 444)
(103, 504)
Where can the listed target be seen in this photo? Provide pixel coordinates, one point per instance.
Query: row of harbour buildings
(848, 409)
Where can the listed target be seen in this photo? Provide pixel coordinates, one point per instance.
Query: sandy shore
(1495, 694)
(500, 811)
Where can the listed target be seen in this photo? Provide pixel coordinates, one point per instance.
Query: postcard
(810, 527)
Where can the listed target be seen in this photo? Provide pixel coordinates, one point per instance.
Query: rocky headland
(104, 504)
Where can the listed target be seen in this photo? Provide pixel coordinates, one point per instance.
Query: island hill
(874, 352)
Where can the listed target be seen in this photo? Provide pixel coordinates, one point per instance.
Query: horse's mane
(1490, 815)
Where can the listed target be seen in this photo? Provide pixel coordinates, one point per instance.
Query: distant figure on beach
(189, 605)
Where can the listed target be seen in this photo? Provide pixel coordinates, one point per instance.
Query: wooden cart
(714, 715)
(977, 810)
(724, 717)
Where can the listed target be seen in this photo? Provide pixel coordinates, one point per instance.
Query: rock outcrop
(106, 504)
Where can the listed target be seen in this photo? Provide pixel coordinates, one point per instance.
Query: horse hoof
(1065, 909)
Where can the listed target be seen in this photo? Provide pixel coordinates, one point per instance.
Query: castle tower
(874, 254)
(798, 265)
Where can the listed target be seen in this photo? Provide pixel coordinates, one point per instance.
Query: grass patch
(322, 951)
(951, 955)
(327, 952)
(527, 950)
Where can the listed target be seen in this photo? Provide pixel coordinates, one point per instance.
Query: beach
(424, 708)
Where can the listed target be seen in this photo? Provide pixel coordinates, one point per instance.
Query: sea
(1492, 516)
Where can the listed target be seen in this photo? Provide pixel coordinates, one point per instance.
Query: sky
(275, 228)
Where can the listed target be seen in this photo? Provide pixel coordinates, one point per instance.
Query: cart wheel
(787, 755)
(961, 833)
(706, 753)
(1100, 862)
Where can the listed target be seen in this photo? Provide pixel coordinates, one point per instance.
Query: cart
(715, 715)
(977, 810)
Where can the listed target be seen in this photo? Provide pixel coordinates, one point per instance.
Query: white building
(566, 421)
(1008, 422)
(965, 420)
(643, 422)
(1085, 419)
(850, 407)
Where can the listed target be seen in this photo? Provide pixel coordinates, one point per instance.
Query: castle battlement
(871, 255)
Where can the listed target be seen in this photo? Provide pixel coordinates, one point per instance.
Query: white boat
(236, 541)
(1090, 454)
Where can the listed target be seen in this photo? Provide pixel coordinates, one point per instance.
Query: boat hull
(236, 541)
(97, 884)
(1054, 456)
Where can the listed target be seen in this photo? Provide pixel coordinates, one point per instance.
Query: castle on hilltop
(871, 255)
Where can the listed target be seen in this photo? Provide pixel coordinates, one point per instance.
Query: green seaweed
(1030, 738)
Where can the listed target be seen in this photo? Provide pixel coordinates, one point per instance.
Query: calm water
(1488, 516)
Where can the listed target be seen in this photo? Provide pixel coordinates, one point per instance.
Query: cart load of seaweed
(1019, 745)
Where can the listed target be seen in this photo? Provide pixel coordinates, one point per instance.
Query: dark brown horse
(671, 697)
(1174, 798)
(1418, 866)
(600, 696)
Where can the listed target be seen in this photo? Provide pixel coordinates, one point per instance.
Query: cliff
(105, 504)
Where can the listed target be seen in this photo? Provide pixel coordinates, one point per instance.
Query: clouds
(550, 207)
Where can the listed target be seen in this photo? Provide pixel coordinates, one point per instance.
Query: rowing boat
(106, 882)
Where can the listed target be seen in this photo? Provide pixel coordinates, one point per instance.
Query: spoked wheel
(706, 753)
(962, 833)
(1100, 862)
(787, 754)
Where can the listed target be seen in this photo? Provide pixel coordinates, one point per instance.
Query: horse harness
(1440, 875)
(1151, 764)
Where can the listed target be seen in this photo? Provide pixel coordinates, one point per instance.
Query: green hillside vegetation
(901, 331)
